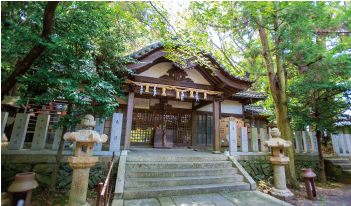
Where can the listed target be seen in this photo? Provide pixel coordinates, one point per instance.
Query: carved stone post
(83, 159)
(279, 160)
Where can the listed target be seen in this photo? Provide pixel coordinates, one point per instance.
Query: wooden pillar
(193, 128)
(129, 117)
(243, 110)
(216, 139)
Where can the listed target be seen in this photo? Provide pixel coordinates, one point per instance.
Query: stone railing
(19, 131)
(250, 142)
(304, 142)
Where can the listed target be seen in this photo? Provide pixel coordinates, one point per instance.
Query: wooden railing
(105, 188)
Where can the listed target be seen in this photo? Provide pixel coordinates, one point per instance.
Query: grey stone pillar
(254, 139)
(99, 128)
(342, 143)
(263, 133)
(335, 142)
(233, 141)
(41, 131)
(298, 139)
(306, 142)
(348, 143)
(243, 139)
(4, 116)
(19, 131)
(314, 143)
(57, 138)
(116, 132)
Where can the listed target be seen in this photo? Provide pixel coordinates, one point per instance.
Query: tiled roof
(257, 110)
(155, 46)
(250, 94)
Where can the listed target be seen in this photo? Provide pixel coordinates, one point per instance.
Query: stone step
(347, 171)
(343, 166)
(179, 181)
(338, 160)
(146, 192)
(176, 165)
(180, 172)
(332, 157)
(176, 159)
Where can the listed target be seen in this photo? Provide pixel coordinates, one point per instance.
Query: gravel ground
(333, 193)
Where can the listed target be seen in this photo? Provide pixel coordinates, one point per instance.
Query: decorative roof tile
(257, 110)
(250, 94)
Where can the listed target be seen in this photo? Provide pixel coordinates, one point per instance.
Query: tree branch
(35, 52)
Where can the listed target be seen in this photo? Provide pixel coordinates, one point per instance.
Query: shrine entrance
(146, 121)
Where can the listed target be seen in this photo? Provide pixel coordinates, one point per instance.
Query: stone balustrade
(249, 140)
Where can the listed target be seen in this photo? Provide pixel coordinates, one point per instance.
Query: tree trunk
(277, 86)
(320, 157)
(34, 52)
(59, 153)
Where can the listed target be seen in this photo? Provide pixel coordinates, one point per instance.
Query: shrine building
(182, 102)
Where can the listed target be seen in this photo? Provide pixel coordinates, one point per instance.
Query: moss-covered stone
(43, 168)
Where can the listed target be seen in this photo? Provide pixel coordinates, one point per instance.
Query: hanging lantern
(182, 96)
(141, 89)
(197, 96)
(38, 112)
(50, 108)
(191, 94)
(58, 112)
(44, 107)
(163, 91)
(147, 89)
(64, 113)
(154, 90)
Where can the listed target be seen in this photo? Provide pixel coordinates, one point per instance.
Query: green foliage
(83, 62)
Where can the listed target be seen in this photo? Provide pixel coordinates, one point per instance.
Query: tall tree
(84, 61)
(282, 34)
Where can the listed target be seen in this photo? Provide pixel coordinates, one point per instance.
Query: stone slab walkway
(246, 198)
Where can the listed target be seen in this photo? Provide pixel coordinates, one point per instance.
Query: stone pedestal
(279, 160)
(79, 186)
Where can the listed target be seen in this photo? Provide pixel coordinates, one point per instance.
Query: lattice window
(203, 129)
(145, 121)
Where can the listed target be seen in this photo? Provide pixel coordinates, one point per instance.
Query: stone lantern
(278, 160)
(83, 159)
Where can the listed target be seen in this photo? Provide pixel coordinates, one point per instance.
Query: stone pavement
(254, 198)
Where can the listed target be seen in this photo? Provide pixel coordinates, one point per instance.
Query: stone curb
(120, 178)
(242, 171)
(272, 198)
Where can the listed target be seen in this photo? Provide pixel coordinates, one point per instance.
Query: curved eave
(154, 54)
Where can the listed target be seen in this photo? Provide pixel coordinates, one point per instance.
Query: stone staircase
(158, 176)
(338, 167)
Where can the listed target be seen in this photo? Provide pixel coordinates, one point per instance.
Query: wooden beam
(220, 85)
(173, 83)
(216, 139)
(230, 82)
(129, 120)
(202, 104)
